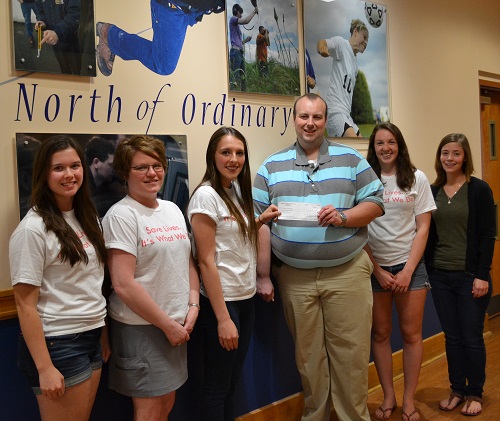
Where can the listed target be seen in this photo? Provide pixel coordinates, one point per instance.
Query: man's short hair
(311, 97)
(99, 148)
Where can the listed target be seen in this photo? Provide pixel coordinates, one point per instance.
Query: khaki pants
(329, 314)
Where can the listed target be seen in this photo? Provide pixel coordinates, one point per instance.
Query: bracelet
(194, 305)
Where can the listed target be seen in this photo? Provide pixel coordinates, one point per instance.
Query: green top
(451, 218)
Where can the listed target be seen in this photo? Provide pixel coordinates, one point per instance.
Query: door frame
(494, 306)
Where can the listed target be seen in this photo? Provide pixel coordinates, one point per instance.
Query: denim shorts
(419, 279)
(75, 356)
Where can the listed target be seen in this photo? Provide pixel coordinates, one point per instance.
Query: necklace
(453, 195)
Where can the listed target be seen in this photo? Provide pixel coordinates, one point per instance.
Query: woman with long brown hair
(226, 235)
(396, 243)
(57, 257)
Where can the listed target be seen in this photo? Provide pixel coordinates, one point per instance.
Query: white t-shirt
(234, 255)
(159, 240)
(342, 77)
(390, 236)
(70, 299)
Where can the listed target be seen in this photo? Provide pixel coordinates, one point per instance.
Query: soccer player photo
(347, 44)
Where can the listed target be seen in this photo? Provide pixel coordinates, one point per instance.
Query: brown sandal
(469, 400)
(453, 395)
(386, 413)
(407, 417)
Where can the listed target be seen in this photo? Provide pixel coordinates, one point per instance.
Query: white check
(297, 211)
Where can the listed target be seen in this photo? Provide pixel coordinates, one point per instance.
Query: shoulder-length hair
(467, 165)
(44, 203)
(213, 176)
(405, 170)
(127, 148)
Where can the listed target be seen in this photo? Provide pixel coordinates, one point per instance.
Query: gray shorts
(143, 364)
(419, 279)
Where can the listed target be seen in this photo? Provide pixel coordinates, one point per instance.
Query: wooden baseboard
(7, 305)
(290, 408)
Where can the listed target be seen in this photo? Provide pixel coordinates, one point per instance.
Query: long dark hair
(405, 170)
(43, 202)
(213, 176)
(467, 166)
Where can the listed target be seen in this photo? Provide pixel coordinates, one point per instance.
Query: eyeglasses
(143, 169)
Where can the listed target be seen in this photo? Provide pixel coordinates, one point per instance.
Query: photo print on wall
(54, 36)
(263, 47)
(106, 188)
(158, 47)
(346, 41)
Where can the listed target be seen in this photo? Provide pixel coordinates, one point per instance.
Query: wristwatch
(343, 217)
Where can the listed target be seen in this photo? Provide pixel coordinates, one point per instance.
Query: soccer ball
(374, 14)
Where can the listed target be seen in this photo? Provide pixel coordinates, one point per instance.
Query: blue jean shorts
(75, 356)
(419, 279)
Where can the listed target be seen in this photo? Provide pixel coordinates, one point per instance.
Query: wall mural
(346, 42)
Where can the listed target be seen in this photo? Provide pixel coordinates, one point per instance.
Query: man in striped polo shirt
(327, 193)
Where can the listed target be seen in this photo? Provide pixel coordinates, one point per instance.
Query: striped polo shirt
(342, 178)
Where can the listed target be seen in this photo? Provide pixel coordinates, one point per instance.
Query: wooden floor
(433, 386)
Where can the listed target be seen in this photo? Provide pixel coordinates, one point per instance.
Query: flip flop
(384, 411)
(407, 417)
(467, 404)
(453, 395)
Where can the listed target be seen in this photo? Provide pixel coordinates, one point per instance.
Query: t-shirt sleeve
(333, 45)
(27, 256)
(203, 201)
(369, 187)
(120, 233)
(424, 201)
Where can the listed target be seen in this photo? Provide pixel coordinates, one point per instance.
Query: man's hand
(311, 82)
(49, 37)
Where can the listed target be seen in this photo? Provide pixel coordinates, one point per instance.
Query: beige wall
(436, 53)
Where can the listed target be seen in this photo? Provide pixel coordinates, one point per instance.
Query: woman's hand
(177, 334)
(191, 317)
(271, 213)
(265, 288)
(479, 288)
(384, 278)
(402, 281)
(228, 334)
(105, 345)
(51, 382)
